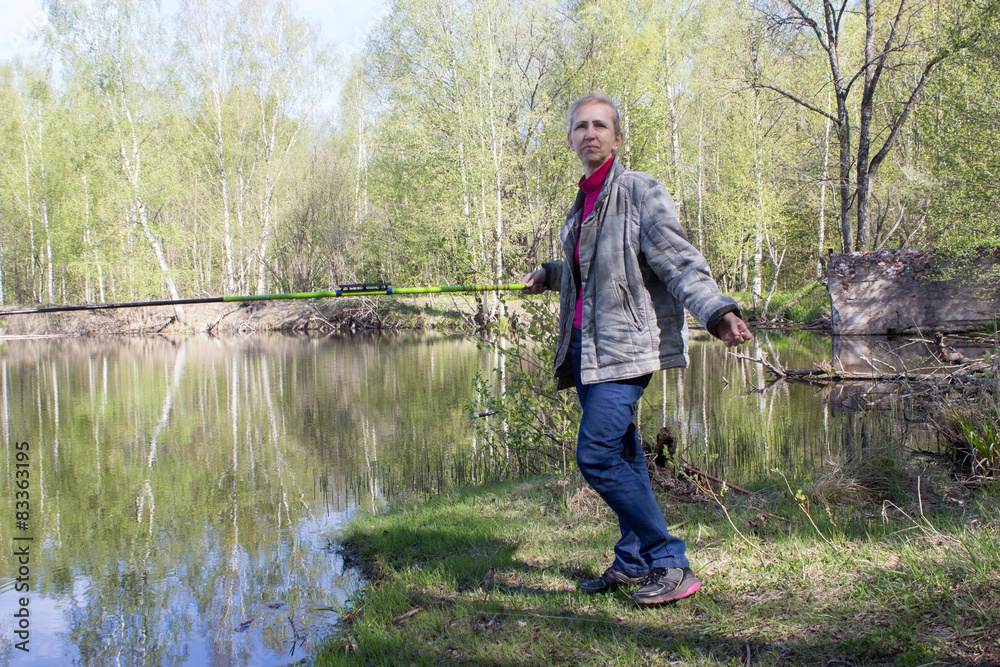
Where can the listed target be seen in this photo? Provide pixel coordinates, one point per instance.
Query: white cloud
(18, 20)
(346, 23)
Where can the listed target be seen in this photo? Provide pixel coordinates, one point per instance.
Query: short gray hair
(598, 98)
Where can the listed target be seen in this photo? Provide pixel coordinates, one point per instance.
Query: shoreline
(451, 313)
(288, 317)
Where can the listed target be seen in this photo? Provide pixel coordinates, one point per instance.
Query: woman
(627, 276)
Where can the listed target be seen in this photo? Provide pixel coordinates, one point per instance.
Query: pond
(183, 496)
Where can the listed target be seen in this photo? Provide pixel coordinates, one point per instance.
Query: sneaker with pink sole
(664, 585)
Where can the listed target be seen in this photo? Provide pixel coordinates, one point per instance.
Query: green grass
(802, 305)
(489, 576)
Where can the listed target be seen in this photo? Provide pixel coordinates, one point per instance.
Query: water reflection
(733, 420)
(184, 492)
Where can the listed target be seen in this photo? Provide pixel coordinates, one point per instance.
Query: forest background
(193, 152)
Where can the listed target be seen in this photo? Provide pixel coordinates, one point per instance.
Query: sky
(17, 20)
(346, 23)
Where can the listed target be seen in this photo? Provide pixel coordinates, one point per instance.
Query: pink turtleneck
(591, 186)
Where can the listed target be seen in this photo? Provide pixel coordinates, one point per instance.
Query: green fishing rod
(357, 289)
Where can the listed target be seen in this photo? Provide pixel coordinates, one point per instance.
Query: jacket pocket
(629, 307)
(617, 324)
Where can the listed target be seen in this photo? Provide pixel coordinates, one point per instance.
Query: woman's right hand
(534, 282)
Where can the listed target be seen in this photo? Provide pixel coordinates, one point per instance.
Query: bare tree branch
(901, 119)
(797, 100)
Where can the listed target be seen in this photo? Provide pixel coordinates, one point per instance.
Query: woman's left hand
(732, 330)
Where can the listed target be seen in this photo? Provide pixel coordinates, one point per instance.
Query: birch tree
(21, 122)
(463, 87)
(115, 49)
(206, 41)
(287, 73)
(890, 45)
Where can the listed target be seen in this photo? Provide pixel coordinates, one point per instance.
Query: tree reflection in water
(187, 493)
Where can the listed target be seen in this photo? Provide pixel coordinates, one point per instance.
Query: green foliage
(154, 161)
(803, 305)
(529, 424)
(447, 159)
(960, 131)
(978, 432)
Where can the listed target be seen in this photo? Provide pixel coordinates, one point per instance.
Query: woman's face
(592, 135)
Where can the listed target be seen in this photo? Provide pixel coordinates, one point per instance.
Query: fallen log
(967, 373)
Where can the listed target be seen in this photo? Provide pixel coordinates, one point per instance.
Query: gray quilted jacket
(639, 273)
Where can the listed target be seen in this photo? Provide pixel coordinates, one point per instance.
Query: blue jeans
(610, 457)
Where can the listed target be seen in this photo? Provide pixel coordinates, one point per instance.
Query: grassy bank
(804, 305)
(819, 573)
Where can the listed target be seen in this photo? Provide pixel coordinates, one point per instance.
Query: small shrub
(518, 415)
(975, 430)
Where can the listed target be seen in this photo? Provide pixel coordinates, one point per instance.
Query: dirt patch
(215, 317)
(450, 313)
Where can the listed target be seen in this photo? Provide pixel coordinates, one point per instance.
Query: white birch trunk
(3, 296)
(497, 150)
(701, 178)
(132, 168)
(822, 196)
(45, 212)
(227, 232)
(48, 250)
(29, 205)
(675, 152)
(758, 229)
